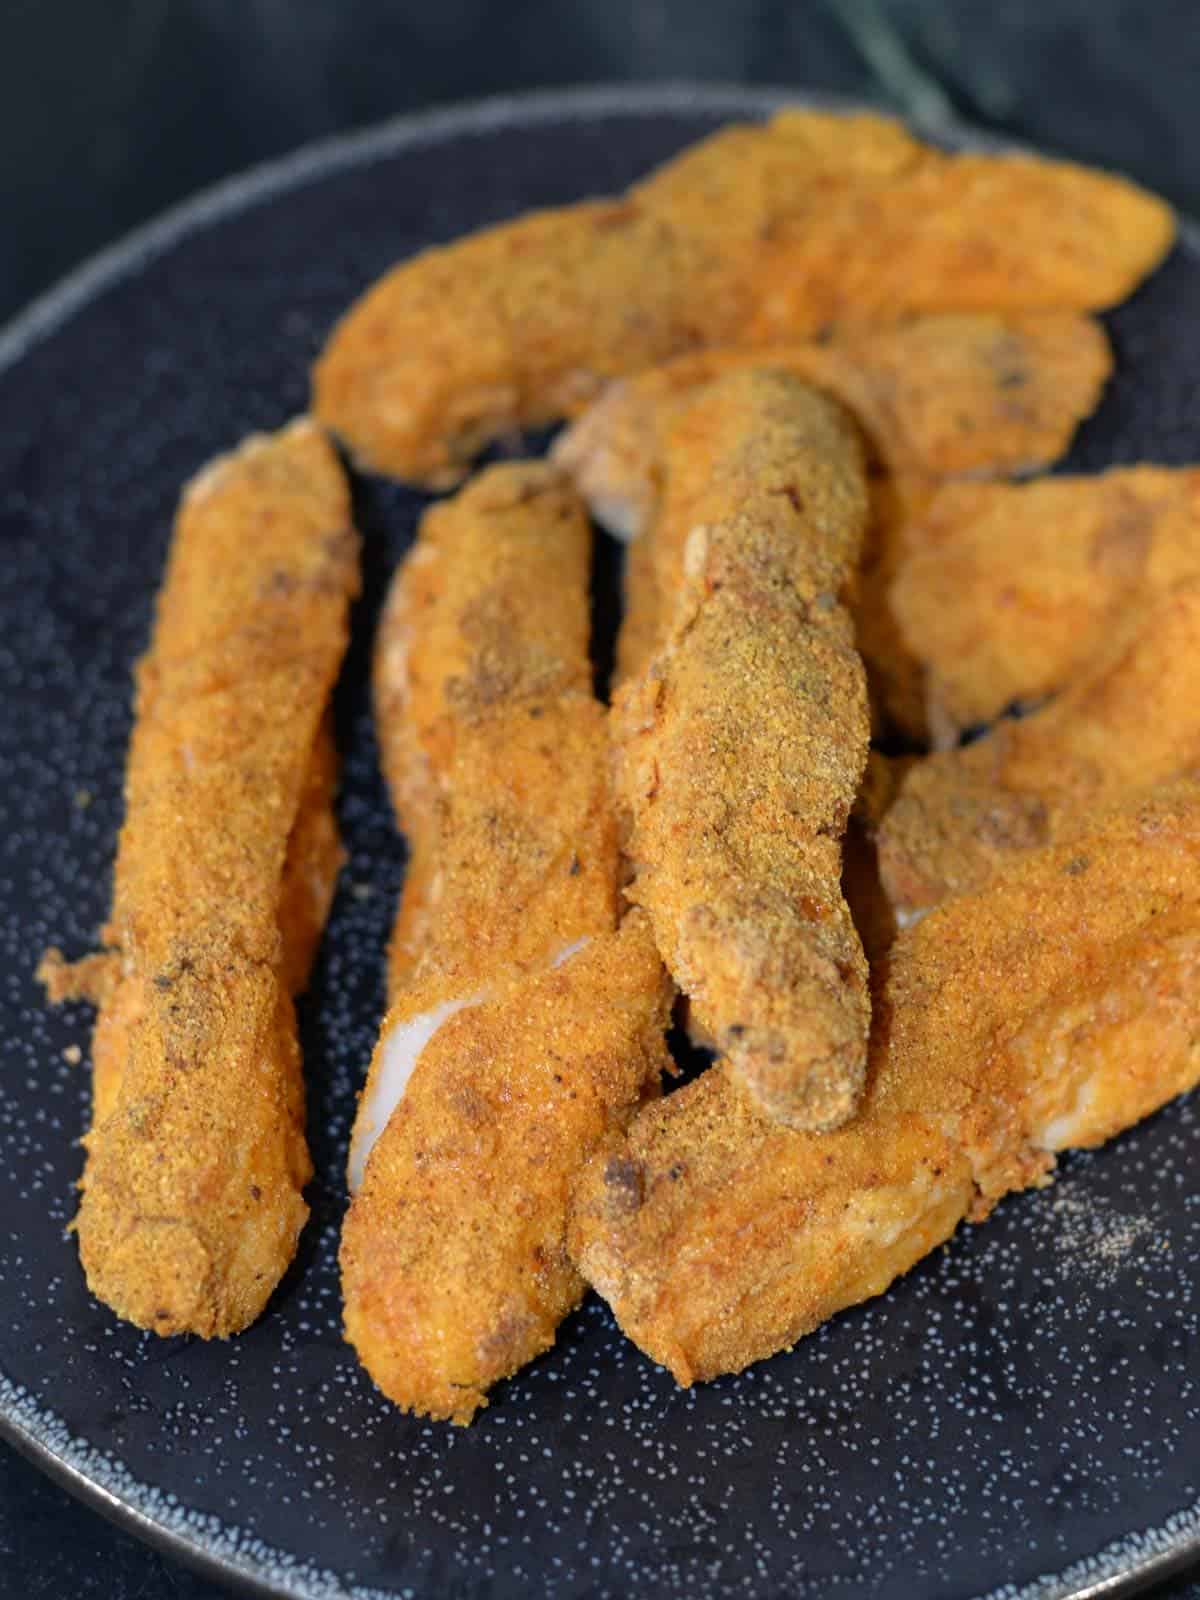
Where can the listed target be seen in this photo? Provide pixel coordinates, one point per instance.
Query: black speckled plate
(1018, 1416)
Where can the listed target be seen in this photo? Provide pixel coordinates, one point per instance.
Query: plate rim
(320, 157)
(33, 1434)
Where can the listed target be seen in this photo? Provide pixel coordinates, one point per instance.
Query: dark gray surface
(110, 112)
(105, 121)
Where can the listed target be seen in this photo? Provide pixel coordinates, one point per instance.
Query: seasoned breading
(740, 745)
(192, 1187)
(488, 613)
(1005, 591)
(523, 1025)
(758, 235)
(1058, 1004)
(1055, 1008)
(467, 625)
(1128, 723)
(454, 1266)
(959, 233)
(936, 397)
(719, 1237)
(311, 865)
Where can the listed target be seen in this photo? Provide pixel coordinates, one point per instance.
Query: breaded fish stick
(523, 1025)
(759, 234)
(1130, 722)
(454, 1263)
(310, 869)
(740, 745)
(939, 396)
(487, 619)
(1053, 1010)
(195, 1163)
(311, 866)
(1005, 591)
(935, 397)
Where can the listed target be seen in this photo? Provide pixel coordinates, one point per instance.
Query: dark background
(111, 111)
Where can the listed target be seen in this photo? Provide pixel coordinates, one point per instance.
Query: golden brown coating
(1005, 590)
(191, 1192)
(524, 855)
(467, 625)
(311, 865)
(966, 393)
(938, 396)
(760, 234)
(1129, 722)
(1051, 1011)
(739, 747)
(1059, 1004)
(935, 397)
(960, 233)
(489, 612)
(719, 1237)
(454, 1264)
(522, 1024)
(412, 789)
(755, 449)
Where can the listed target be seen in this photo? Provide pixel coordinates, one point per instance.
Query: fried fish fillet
(759, 234)
(196, 1159)
(311, 866)
(523, 1024)
(1005, 591)
(1054, 1009)
(490, 613)
(454, 1263)
(1128, 723)
(937, 397)
(739, 746)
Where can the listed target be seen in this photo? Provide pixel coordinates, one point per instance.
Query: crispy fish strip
(311, 866)
(940, 396)
(489, 611)
(468, 624)
(523, 1025)
(454, 1264)
(1089, 952)
(719, 1237)
(1130, 722)
(960, 233)
(760, 234)
(191, 1192)
(935, 397)
(745, 443)
(1005, 591)
(1055, 1009)
(494, 748)
(740, 747)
